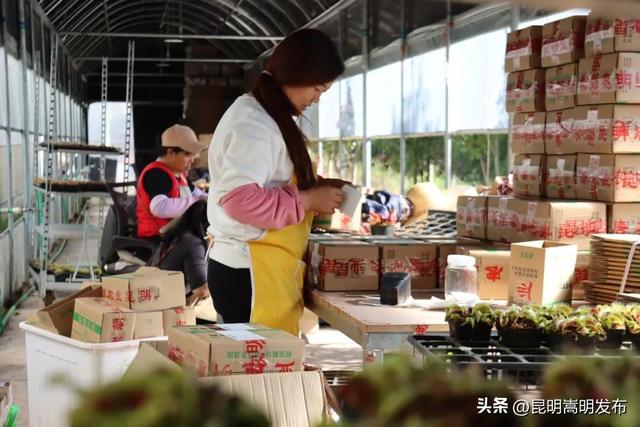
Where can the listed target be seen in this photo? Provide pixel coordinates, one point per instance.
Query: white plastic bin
(82, 364)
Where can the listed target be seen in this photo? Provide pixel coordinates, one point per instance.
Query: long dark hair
(307, 57)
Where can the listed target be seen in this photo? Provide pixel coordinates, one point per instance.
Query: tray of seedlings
(437, 223)
(530, 338)
(72, 186)
(70, 146)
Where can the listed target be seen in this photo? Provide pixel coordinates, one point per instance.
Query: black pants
(187, 253)
(230, 289)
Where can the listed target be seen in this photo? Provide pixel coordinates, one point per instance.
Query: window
(115, 132)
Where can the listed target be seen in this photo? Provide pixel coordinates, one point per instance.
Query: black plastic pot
(383, 230)
(520, 338)
(459, 332)
(555, 341)
(568, 344)
(614, 339)
(635, 340)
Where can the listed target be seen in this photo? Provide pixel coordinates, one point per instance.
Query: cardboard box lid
(289, 399)
(101, 305)
(59, 315)
(534, 31)
(543, 244)
(401, 242)
(232, 333)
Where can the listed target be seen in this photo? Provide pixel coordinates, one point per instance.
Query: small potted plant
(581, 333)
(613, 319)
(549, 317)
(518, 326)
(632, 315)
(470, 323)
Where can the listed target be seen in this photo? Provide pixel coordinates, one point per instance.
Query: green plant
(582, 326)
(398, 394)
(520, 317)
(550, 315)
(632, 315)
(612, 320)
(479, 313)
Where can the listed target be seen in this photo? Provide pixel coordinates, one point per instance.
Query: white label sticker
(236, 327)
(241, 335)
(531, 210)
(561, 164)
(597, 46)
(502, 205)
(592, 115)
(526, 163)
(594, 162)
(516, 62)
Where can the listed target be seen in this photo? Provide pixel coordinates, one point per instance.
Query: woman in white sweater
(265, 192)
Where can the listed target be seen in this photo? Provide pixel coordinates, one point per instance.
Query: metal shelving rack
(49, 229)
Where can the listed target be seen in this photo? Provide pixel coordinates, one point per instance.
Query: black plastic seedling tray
(524, 365)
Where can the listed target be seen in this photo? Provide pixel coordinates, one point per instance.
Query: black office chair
(119, 233)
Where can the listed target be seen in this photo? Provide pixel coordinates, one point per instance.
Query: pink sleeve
(268, 208)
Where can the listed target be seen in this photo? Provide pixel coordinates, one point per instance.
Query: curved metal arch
(116, 7)
(76, 42)
(70, 5)
(269, 15)
(124, 25)
(116, 10)
(240, 11)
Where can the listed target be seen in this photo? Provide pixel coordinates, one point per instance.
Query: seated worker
(164, 193)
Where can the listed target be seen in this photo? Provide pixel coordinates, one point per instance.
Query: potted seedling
(632, 315)
(548, 321)
(581, 333)
(470, 323)
(518, 326)
(613, 319)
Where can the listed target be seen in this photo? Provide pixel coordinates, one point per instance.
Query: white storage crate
(81, 364)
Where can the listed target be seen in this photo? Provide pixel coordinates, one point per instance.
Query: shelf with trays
(96, 150)
(70, 231)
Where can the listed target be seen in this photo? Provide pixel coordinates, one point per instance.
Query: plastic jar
(461, 279)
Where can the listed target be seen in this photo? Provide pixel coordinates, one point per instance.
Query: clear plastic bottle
(461, 279)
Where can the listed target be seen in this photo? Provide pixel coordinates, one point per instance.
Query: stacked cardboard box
(156, 296)
(228, 349)
(410, 256)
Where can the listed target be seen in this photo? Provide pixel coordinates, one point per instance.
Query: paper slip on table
(375, 327)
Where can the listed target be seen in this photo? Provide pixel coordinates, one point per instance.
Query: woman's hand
(323, 199)
(333, 182)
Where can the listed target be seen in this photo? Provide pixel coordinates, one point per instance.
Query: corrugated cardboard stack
(156, 296)
(587, 146)
(614, 268)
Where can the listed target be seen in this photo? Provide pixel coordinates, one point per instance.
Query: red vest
(148, 224)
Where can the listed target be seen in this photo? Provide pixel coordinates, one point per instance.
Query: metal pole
(171, 36)
(515, 23)
(129, 115)
(403, 142)
(447, 138)
(9, 156)
(51, 136)
(366, 144)
(37, 67)
(25, 134)
(340, 165)
(164, 59)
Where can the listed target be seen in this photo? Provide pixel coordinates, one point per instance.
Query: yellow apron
(277, 275)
